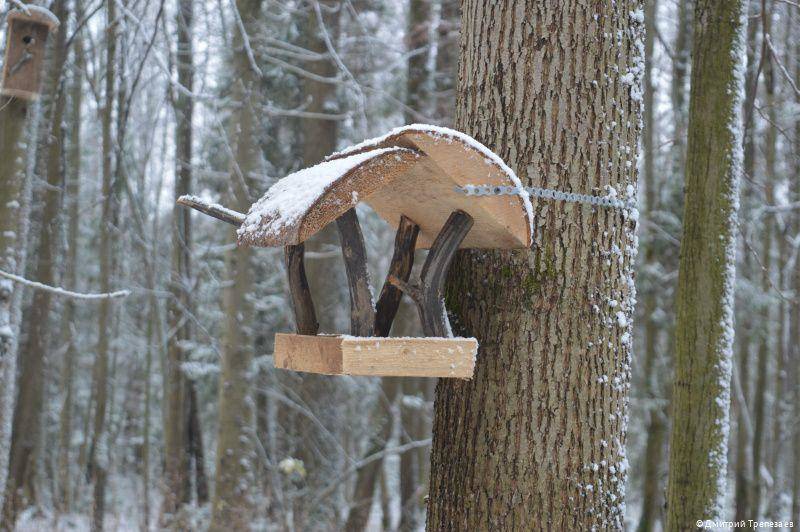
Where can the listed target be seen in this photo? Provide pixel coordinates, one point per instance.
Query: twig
(400, 449)
(246, 40)
(62, 292)
(780, 65)
(763, 268)
(212, 209)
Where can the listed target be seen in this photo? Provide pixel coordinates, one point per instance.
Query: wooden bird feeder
(410, 177)
(25, 49)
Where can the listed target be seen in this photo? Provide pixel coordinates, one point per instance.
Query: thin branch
(780, 65)
(299, 113)
(332, 50)
(246, 40)
(82, 23)
(61, 291)
(212, 209)
(400, 449)
(763, 268)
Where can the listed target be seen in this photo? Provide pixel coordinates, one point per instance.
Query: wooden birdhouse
(413, 178)
(25, 49)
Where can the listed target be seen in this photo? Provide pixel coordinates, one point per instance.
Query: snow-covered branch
(61, 291)
(212, 209)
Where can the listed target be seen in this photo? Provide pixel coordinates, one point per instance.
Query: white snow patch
(291, 197)
(42, 11)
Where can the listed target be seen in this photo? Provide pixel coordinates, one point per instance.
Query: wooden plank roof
(412, 171)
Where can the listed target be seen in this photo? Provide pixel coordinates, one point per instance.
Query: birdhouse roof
(413, 171)
(38, 14)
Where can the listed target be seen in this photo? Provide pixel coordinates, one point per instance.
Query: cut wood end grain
(377, 356)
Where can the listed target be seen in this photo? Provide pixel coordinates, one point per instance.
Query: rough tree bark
(704, 326)
(537, 438)
(26, 436)
(14, 115)
(233, 505)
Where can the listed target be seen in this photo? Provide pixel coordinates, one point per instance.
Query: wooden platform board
(386, 357)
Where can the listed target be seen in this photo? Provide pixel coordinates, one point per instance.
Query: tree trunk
(704, 325)
(446, 74)
(418, 80)
(26, 432)
(795, 315)
(743, 436)
(655, 427)
(765, 350)
(177, 388)
(324, 268)
(368, 475)
(233, 503)
(68, 332)
(110, 205)
(537, 438)
(418, 48)
(13, 117)
(743, 487)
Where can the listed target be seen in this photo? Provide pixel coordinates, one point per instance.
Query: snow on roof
(414, 171)
(448, 134)
(37, 13)
(288, 200)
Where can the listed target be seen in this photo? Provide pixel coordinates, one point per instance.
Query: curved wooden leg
(362, 308)
(304, 315)
(405, 241)
(428, 293)
(432, 311)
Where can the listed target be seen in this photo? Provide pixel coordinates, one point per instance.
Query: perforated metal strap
(548, 193)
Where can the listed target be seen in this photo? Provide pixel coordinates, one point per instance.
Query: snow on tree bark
(13, 115)
(537, 438)
(26, 436)
(704, 326)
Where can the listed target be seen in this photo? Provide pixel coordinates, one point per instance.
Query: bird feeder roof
(413, 171)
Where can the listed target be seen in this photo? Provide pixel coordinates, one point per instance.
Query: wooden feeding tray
(412, 177)
(391, 357)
